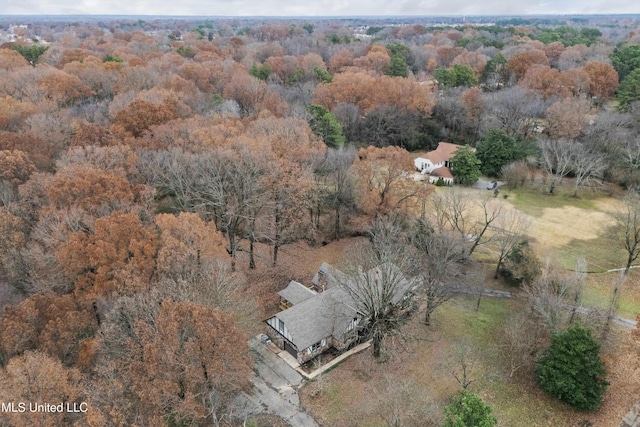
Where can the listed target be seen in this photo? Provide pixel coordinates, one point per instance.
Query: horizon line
(320, 16)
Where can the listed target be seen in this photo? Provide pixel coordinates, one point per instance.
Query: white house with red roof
(436, 163)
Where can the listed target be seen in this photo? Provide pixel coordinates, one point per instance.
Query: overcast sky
(315, 7)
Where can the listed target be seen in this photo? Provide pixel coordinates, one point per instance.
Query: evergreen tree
(444, 77)
(30, 53)
(469, 410)
(495, 150)
(625, 59)
(456, 76)
(629, 89)
(323, 75)
(465, 166)
(262, 72)
(464, 76)
(324, 124)
(521, 265)
(571, 369)
(398, 66)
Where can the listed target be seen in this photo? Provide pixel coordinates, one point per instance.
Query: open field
(565, 227)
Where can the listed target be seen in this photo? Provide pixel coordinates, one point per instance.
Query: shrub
(515, 174)
(571, 369)
(468, 409)
(521, 265)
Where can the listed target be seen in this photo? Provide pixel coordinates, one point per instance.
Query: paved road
(275, 387)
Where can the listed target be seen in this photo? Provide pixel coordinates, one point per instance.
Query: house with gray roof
(325, 315)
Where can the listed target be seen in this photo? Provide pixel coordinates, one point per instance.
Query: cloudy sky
(315, 7)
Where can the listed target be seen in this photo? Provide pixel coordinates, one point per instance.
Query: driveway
(481, 184)
(275, 387)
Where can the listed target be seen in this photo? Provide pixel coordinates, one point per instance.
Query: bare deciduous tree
(548, 296)
(556, 159)
(580, 279)
(491, 211)
(464, 364)
(377, 286)
(614, 303)
(405, 403)
(628, 222)
(338, 192)
(587, 165)
(516, 110)
(439, 254)
(451, 210)
(521, 342)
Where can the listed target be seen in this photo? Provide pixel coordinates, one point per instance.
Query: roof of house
(332, 275)
(442, 172)
(296, 292)
(443, 153)
(329, 313)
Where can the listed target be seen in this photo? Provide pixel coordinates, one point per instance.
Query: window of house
(317, 346)
(280, 326)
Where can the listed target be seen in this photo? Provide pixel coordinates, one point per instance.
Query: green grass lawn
(428, 362)
(533, 201)
(602, 254)
(599, 288)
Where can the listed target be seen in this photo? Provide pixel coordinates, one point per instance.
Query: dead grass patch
(558, 226)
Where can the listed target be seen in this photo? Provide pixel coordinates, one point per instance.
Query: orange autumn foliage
(36, 378)
(382, 179)
(118, 258)
(15, 167)
(188, 353)
(603, 79)
(368, 93)
(186, 242)
(521, 62)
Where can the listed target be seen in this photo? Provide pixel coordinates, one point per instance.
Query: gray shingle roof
(296, 292)
(333, 276)
(329, 313)
(324, 315)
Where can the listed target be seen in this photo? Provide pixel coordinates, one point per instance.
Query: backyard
(416, 380)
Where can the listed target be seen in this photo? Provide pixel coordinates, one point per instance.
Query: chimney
(322, 281)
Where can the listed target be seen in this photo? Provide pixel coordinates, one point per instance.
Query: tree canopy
(465, 165)
(629, 89)
(625, 58)
(468, 409)
(30, 53)
(495, 150)
(571, 369)
(456, 76)
(398, 66)
(324, 124)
